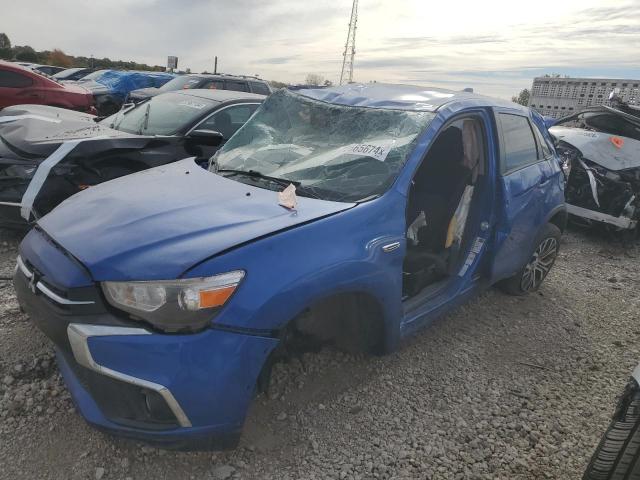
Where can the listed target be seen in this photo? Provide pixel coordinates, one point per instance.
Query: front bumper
(621, 222)
(177, 391)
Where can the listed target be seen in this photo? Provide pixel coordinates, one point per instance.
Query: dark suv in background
(239, 83)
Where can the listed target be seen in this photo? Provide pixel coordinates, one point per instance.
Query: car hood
(600, 148)
(73, 88)
(40, 129)
(159, 223)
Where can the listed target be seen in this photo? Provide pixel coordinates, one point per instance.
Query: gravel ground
(502, 388)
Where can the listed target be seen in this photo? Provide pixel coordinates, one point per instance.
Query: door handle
(390, 247)
(544, 181)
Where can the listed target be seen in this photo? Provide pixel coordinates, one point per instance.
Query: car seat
(438, 190)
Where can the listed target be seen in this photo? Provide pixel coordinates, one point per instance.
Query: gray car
(48, 154)
(205, 81)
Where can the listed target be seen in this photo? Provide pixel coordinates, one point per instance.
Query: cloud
(486, 45)
(278, 60)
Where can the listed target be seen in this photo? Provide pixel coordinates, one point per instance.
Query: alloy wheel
(541, 262)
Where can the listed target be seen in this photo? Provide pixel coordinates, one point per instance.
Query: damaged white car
(602, 145)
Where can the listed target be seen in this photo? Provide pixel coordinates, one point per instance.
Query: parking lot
(504, 387)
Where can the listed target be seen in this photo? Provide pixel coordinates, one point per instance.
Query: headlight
(174, 305)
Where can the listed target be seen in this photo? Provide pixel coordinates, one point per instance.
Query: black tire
(616, 457)
(530, 276)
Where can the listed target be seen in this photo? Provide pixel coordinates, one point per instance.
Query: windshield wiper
(254, 174)
(300, 189)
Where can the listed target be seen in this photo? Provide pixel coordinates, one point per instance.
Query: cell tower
(350, 47)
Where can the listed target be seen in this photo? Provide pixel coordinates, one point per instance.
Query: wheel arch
(558, 217)
(353, 320)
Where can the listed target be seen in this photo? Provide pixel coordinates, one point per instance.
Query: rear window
(10, 79)
(259, 88)
(236, 86)
(518, 143)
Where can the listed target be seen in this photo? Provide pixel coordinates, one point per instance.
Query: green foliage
(522, 98)
(5, 43)
(57, 57)
(25, 54)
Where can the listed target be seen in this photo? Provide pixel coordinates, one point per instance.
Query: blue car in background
(110, 88)
(170, 293)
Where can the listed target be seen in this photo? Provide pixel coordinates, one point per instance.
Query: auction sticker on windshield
(378, 151)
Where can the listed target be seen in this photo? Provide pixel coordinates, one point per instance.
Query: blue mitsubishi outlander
(170, 293)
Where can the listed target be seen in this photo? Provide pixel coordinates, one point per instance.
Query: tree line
(25, 53)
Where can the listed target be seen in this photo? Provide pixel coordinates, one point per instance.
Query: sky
(496, 47)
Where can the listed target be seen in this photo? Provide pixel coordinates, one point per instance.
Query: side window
(519, 145)
(213, 85)
(191, 83)
(259, 88)
(546, 151)
(236, 86)
(228, 120)
(14, 80)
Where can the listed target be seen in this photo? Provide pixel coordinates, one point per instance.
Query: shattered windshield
(333, 152)
(162, 115)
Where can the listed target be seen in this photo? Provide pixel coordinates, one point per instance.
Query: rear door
(18, 88)
(520, 205)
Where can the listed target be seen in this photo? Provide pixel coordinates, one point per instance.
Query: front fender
(289, 271)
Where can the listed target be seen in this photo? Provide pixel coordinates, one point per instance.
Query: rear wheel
(619, 450)
(544, 255)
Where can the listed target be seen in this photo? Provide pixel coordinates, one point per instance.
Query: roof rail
(238, 76)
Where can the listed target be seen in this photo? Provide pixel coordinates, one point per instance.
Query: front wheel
(531, 276)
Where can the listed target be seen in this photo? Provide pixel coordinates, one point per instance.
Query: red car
(20, 85)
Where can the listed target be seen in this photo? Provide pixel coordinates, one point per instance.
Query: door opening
(443, 193)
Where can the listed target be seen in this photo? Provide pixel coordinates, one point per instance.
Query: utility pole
(215, 65)
(346, 75)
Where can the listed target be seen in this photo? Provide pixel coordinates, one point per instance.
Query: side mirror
(210, 138)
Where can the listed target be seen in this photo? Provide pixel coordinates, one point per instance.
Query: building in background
(558, 97)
